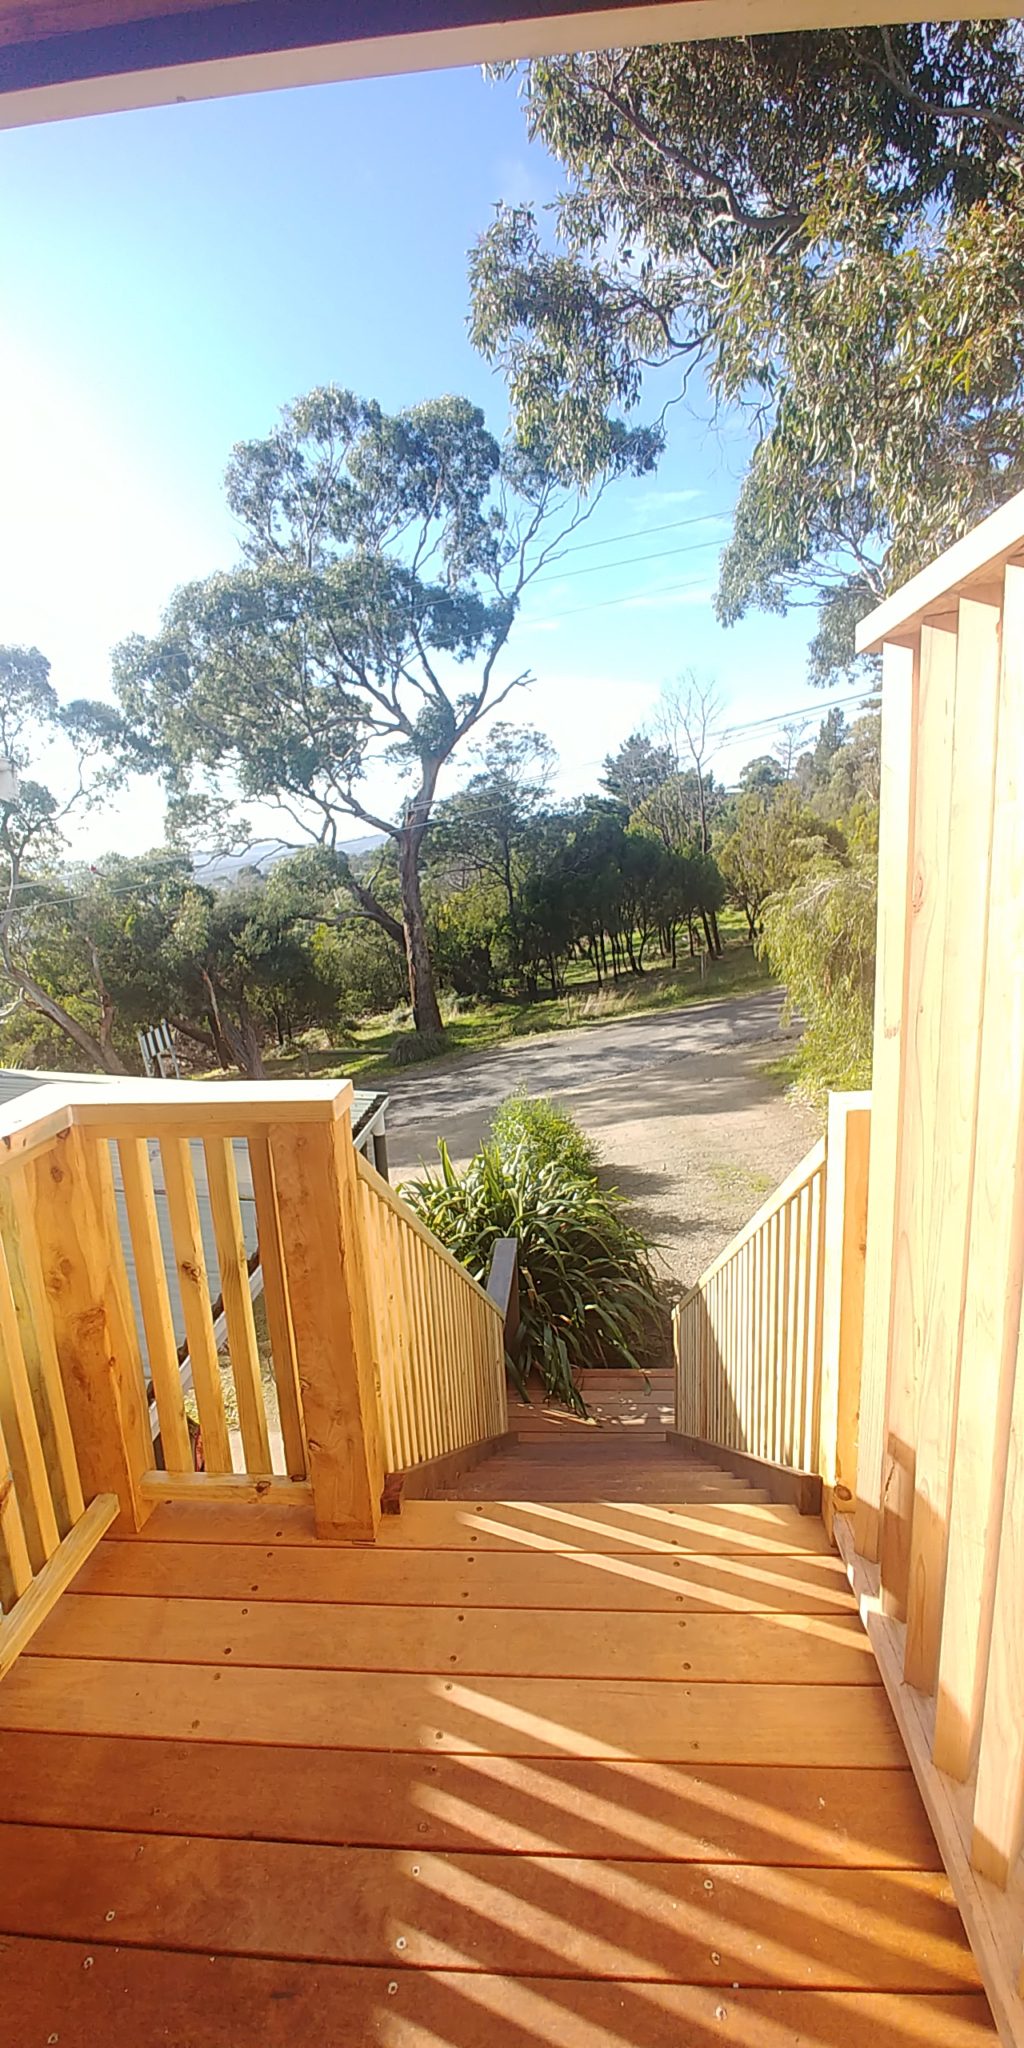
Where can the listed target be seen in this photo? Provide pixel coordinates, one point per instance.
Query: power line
(727, 733)
(667, 526)
(803, 711)
(630, 561)
(605, 603)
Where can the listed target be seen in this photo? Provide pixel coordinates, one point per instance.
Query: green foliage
(411, 1048)
(248, 969)
(898, 412)
(549, 1135)
(672, 811)
(763, 773)
(384, 557)
(364, 965)
(819, 938)
(774, 837)
(46, 953)
(636, 769)
(827, 227)
(485, 843)
(587, 1292)
(468, 940)
(114, 946)
(853, 782)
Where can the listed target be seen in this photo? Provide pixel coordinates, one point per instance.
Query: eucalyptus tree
(761, 774)
(245, 970)
(50, 961)
(774, 838)
(637, 769)
(365, 631)
(825, 229)
(488, 831)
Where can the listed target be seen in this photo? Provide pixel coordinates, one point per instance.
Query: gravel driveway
(686, 1121)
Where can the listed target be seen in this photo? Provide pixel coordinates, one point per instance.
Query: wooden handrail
(390, 1195)
(438, 1336)
(31, 1123)
(804, 1171)
(977, 560)
(384, 1349)
(503, 1285)
(768, 1343)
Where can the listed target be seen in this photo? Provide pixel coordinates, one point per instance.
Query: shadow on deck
(610, 1769)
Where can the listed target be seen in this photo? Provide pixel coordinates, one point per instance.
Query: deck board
(592, 1765)
(226, 2001)
(613, 1527)
(495, 1579)
(653, 1720)
(318, 1635)
(522, 1915)
(732, 1813)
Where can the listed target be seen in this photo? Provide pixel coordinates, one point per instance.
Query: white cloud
(657, 500)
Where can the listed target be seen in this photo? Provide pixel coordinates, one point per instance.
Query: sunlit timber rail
(921, 1340)
(617, 1767)
(579, 1767)
(377, 1352)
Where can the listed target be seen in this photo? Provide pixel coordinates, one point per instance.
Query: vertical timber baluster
(229, 1236)
(277, 1304)
(154, 1300)
(845, 1240)
(915, 1195)
(995, 1247)
(322, 1243)
(21, 1432)
(955, 1083)
(194, 1286)
(999, 1798)
(15, 1563)
(75, 1221)
(38, 1348)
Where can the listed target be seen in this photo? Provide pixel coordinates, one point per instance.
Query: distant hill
(223, 870)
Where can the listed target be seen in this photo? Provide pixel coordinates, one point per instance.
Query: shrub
(547, 1133)
(413, 1046)
(819, 938)
(587, 1292)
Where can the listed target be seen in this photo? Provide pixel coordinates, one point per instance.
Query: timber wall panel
(941, 1451)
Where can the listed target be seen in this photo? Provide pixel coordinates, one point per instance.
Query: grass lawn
(366, 1056)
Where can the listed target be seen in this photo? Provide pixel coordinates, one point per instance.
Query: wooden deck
(611, 1771)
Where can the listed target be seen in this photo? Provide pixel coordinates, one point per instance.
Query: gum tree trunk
(422, 991)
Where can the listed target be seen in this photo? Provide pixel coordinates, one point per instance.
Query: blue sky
(172, 277)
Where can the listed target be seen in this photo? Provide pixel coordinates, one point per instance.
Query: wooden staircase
(593, 1752)
(611, 1772)
(623, 1450)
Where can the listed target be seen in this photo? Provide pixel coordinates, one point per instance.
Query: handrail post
(503, 1285)
(842, 1338)
(315, 1173)
(72, 1195)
